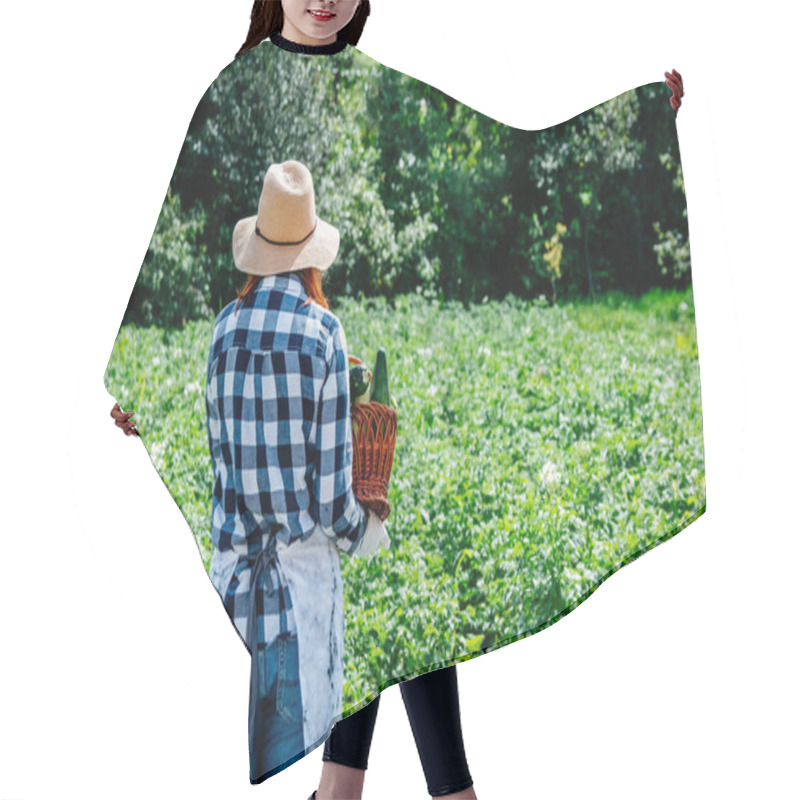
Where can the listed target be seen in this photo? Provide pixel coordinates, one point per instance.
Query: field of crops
(539, 450)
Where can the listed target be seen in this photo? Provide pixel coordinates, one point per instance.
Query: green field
(539, 449)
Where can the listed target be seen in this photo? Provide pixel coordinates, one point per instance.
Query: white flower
(549, 475)
(157, 454)
(425, 352)
(626, 366)
(683, 307)
(432, 390)
(156, 361)
(484, 351)
(194, 386)
(583, 446)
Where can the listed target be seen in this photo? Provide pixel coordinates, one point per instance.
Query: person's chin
(320, 38)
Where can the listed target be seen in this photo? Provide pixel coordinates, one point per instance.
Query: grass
(539, 450)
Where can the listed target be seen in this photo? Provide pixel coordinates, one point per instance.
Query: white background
(121, 674)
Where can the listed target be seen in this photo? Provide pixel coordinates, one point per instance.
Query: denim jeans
(276, 708)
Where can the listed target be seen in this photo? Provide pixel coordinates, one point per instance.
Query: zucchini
(380, 380)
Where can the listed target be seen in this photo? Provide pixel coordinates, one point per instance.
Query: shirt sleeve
(340, 515)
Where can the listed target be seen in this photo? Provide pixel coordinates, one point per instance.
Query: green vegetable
(380, 380)
(359, 383)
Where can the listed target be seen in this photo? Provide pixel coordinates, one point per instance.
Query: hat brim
(253, 255)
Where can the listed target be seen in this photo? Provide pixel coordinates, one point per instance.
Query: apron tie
(266, 566)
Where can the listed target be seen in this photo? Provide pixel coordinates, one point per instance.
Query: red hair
(312, 283)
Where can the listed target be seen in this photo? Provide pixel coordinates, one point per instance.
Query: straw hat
(286, 234)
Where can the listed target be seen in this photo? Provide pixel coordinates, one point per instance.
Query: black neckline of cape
(309, 49)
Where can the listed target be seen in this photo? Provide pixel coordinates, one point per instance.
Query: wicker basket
(374, 435)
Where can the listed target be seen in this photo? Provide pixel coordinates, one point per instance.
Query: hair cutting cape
(532, 291)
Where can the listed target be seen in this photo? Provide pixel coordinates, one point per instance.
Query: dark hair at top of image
(266, 18)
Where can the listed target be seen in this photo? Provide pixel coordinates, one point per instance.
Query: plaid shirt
(280, 437)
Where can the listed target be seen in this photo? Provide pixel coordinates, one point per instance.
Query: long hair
(312, 283)
(266, 18)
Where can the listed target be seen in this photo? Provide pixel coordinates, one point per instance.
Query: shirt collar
(310, 49)
(287, 282)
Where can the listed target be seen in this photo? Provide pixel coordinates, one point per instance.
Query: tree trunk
(586, 254)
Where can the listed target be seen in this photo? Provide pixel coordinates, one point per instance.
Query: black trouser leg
(433, 710)
(351, 737)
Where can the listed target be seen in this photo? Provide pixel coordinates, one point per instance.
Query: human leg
(433, 710)
(346, 753)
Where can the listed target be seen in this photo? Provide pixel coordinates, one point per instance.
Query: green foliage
(161, 375)
(672, 252)
(539, 450)
(173, 283)
(427, 193)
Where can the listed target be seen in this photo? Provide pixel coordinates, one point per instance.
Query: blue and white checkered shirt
(280, 437)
